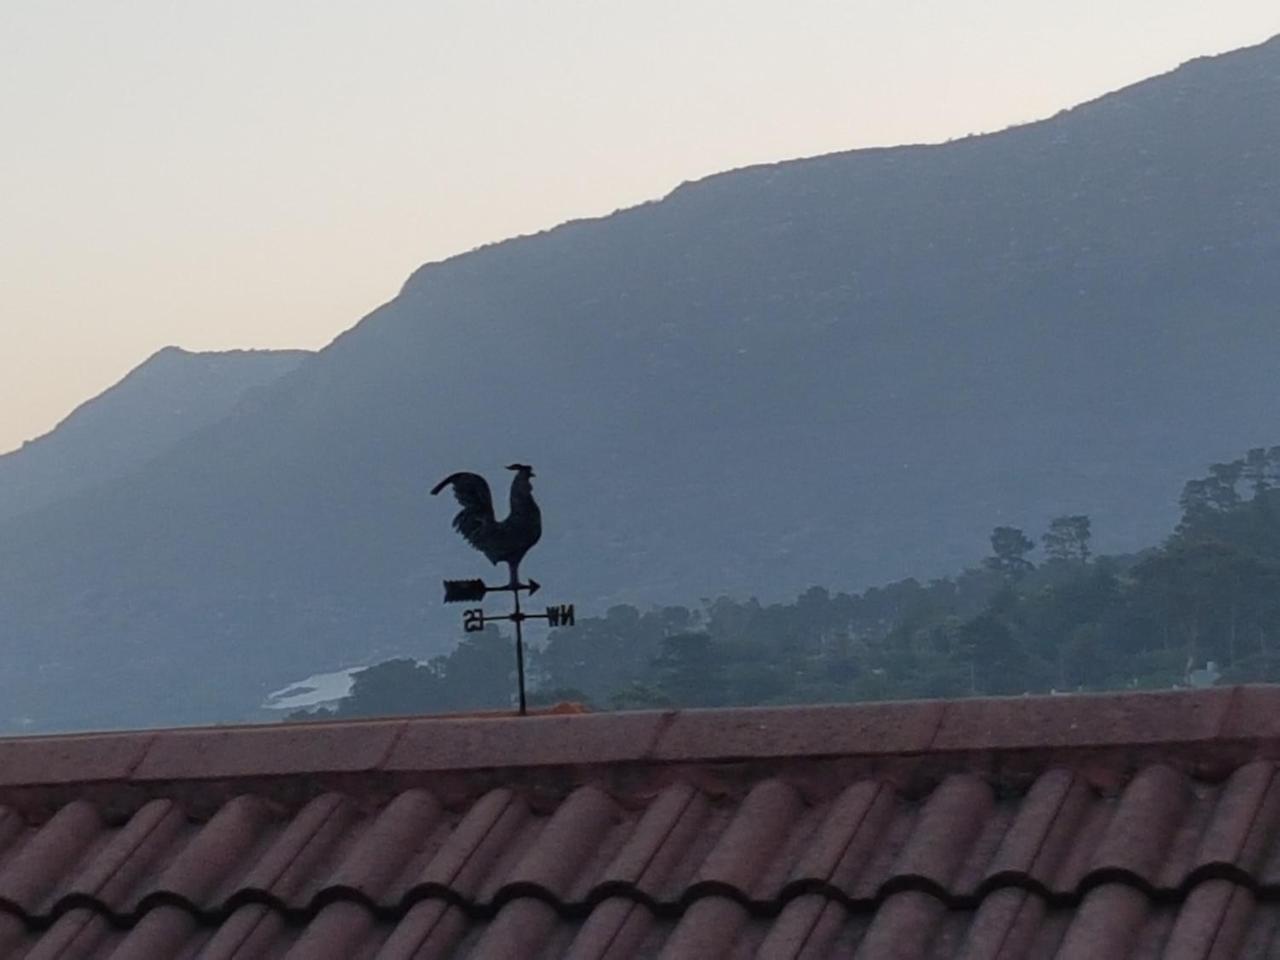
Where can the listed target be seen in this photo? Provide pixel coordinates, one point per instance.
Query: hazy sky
(238, 174)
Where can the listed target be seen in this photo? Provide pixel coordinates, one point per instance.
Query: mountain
(841, 370)
(169, 397)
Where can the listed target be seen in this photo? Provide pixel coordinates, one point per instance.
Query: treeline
(1202, 607)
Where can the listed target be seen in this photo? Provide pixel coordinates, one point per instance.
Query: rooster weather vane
(501, 541)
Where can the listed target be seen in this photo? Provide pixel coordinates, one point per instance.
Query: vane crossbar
(563, 615)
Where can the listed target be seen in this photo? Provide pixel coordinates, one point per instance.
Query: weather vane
(501, 541)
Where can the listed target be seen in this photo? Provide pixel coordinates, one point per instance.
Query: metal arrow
(469, 591)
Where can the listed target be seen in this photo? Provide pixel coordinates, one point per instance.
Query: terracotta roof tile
(1018, 828)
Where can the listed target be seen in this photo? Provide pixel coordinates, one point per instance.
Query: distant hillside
(171, 396)
(841, 370)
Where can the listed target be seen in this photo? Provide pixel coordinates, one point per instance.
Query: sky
(262, 174)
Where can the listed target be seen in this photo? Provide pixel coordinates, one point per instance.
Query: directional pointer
(468, 591)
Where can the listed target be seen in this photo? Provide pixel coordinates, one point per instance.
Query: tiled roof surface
(1144, 825)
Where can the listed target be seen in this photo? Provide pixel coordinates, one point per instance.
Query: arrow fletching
(464, 591)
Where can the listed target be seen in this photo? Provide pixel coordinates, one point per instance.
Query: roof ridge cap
(983, 735)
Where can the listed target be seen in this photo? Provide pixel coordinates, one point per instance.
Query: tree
(479, 673)
(1068, 539)
(392, 687)
(601, 655)
(1223, 478)
(689, 670)
(995, 654)
(1196, 507)
(1257, 471)
(1210, 595)
(1009, 548)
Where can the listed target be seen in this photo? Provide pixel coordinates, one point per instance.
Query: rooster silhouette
(501, 541)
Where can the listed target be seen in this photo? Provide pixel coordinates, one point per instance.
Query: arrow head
(534, 586)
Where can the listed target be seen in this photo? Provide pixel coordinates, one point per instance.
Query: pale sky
(262, 174)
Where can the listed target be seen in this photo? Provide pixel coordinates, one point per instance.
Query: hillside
(841, 370)
(171, 396)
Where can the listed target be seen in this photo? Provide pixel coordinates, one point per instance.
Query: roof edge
(1204, 732)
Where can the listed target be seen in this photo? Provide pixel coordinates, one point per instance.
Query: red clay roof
(1143, 825)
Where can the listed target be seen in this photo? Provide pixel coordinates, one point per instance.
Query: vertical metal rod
(519, 620)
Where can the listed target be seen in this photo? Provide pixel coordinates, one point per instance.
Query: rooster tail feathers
(472, 492)
(475, 521)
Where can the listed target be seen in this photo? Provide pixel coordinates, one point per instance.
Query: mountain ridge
(170, 395)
